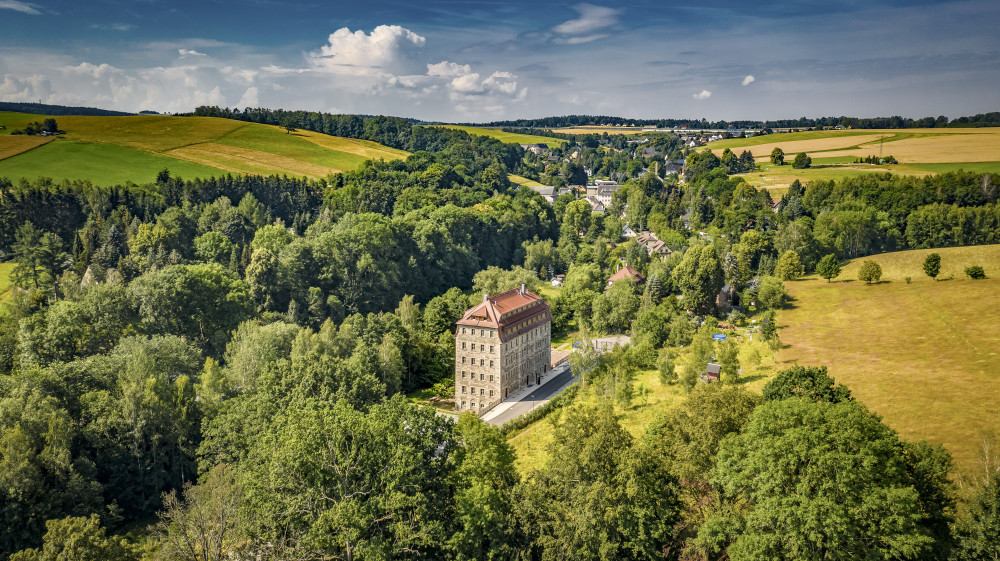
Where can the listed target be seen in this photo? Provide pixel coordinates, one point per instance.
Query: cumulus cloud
(17, 6)
(703, 94)
(189, 52)
(388, 50)
(748, 80)
(249, 98)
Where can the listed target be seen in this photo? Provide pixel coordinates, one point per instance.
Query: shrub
(975, 272)
(870, 272)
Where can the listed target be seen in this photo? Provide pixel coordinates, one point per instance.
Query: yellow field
(523, 180)
(19, 144)
(5, 270)
(906, 145)
(776, 179)
(924, 355)
(508, 137)
(599, 130)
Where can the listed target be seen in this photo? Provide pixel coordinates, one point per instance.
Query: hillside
(509, 137)
(109, 150)
(921, 354)
(919, 152)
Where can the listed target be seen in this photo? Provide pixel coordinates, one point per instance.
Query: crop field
(508, 137)
(776, 179)
(110, 150)
(925, 355)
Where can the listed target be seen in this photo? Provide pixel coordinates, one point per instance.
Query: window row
(472, 376)
(482, 392)
(482, 332)
(482, 348)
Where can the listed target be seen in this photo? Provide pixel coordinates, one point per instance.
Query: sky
(478, 61)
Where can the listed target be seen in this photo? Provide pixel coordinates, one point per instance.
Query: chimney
(486, 296)
(522, 288)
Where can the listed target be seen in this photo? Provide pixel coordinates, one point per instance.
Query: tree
(729, 360)
(206, 524)
(975, 272)
(789, 266)
(828, 267)
(50, 126)
(78, 539)
(932, 265)
(802, 161)
(771, 294)
(700, 277)
(808, 382)
(799, 476)
(288, 123)
(778, 156)
(976, 535)
(870, 272)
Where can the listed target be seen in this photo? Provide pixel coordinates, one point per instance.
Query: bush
(559, 401)
(975, 272)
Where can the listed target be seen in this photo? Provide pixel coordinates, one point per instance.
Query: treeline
(894, 122)
(46, 109)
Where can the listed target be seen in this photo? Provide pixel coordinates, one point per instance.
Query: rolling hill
(110, 150)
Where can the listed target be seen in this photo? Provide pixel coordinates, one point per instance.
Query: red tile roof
(512, 312)
(626, 272)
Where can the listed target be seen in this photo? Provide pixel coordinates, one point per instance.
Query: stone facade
(501, 346)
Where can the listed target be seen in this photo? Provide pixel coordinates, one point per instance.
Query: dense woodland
(216, 369)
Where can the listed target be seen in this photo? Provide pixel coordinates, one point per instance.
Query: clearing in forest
(509, 137)
(924, 355)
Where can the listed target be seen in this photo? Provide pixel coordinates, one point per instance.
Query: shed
(712, 373)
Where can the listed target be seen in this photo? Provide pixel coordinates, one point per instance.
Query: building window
(482, 391)
(463, 331)
(463, 374)
(481, 332)
(463, 360)
(482, 362)
(491, 364)
(491, 349)
(482, 348)
(463, 345)
(481, 405)
(491, 393)
(491, 377)
(491, 334)
(463, 389)
(482, 376)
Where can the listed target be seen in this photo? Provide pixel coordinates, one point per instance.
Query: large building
(501, 346)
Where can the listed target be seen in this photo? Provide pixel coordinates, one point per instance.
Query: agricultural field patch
(17, 120)
(111, 150)
(12, 145)
(924, 355)
(523, 180)
(508, 137)
(776, 179)
(100, 163)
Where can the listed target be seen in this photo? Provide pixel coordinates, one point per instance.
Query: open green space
(509, 137)
(776, 179)
(102, 164)
(733, 143)
(5, 270)
(925, 355)
(523, 181)
(18, 120)
(981, 167)
(111, 150)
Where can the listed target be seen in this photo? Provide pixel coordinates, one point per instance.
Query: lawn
(925, 355)
(509, 137)
(5, 270)
(776, 179)
(523, 180)
(110, 150)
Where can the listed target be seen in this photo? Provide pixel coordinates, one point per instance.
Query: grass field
(509, 137)
(5, 270)
(530, 443)
(602, 130)
(523, 181)
(924, 355)
(776, 179)
(111, 150)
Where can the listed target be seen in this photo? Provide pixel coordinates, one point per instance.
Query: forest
(217, 369)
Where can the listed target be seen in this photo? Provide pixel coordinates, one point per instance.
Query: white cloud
(249, 98)
(388, 50)
(748, 80)
(113, 26)
(189, 52)
(703, 94)
(591, 19)
(448, 69)
(17, 6)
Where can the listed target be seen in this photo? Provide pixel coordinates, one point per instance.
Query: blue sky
(475, 61)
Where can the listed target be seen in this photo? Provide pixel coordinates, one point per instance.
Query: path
(551, 385)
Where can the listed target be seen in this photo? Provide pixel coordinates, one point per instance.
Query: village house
(626, 272)
(501, 346)
(653, 245)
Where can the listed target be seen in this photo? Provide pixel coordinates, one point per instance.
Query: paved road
(534, 399)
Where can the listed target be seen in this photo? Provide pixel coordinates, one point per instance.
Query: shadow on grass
(751, 379)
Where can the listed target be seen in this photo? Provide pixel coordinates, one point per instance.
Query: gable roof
(626, 272)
